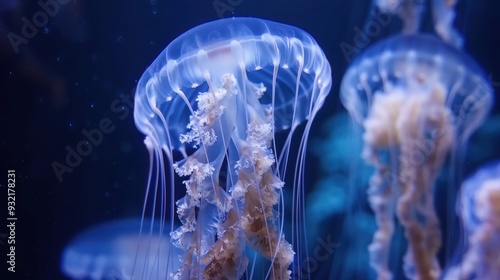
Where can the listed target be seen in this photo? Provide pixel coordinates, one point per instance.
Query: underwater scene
(250, 139)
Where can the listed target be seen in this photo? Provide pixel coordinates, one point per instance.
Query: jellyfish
(116, 250)
(210, 106)
(411, 13)
(479, 209)
(418, 99)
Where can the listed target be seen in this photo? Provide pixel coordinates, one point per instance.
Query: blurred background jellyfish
(114, 250)
(479, 209)
(210, 106)
(417, 99)
(411, 13)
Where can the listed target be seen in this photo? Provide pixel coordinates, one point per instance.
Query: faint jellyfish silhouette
(411, 13)
(113, 250)
(417, 99)
(443, 14)
(479, 209)
(211, 103)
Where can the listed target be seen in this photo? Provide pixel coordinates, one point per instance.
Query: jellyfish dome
(479, 209)
(419, 63)
(211, 103)
(116, 250)
(418, 99)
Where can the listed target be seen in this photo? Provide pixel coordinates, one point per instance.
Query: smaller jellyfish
(210, 106)
(418, 100)
(479, 209)
(117, 250)
(411, 13)
(443, 14)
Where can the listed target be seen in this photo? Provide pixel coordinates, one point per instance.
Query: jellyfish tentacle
(389, 5)
(411, 11)
(379, 136)
(226, 260)
(444, 15)
(203, 192)
(380, 198)
(258, 188)
(417, 177)
(414, 119)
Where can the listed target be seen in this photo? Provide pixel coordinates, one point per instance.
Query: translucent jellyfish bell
(116, 250)
(217, 94)
(417, 99)
(479, 209)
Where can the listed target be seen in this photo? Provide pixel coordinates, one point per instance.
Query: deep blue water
(85, 62)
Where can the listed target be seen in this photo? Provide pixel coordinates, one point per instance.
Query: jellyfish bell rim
(161, 81)
(430, 48)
